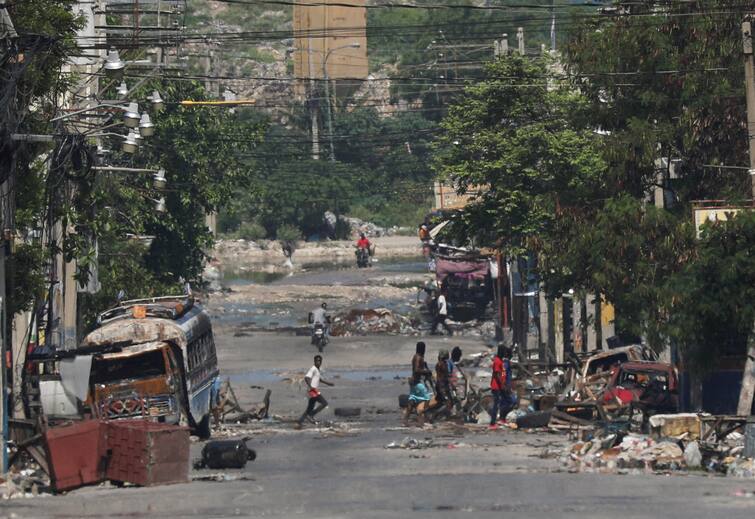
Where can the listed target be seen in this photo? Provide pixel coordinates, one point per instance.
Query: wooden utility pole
(748, 376)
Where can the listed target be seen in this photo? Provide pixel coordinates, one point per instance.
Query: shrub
(288, 232)
(251, 231)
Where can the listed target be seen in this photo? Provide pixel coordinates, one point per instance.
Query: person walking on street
(442, 314)
(313, 378)
(443, 383)
(497, 386)
(420, 384)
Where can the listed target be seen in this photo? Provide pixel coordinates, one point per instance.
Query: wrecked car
(653, 386)
(153, 358)
(595, 371)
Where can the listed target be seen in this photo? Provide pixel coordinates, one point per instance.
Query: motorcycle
(319, 336)
(363, 257)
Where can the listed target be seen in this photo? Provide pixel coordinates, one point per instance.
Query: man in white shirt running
(313, 378)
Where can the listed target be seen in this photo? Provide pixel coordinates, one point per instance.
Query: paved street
(345, 471)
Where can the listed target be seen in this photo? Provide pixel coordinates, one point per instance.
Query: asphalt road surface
(346, 471)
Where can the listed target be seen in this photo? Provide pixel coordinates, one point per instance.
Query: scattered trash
(228, 409)
(221, 477)
(372, 320)
(410, 443)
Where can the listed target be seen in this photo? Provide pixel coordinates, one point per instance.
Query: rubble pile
(632, 452)
(357, 225)
(372, 320)
(24, 483)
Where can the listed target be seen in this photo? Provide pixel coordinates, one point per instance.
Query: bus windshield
(145, 365)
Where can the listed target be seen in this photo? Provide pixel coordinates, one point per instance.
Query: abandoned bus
(153, 358)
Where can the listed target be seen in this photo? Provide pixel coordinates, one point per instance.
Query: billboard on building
(713, 212)
(330, 29)
(447, 198)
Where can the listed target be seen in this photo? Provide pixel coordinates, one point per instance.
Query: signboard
(447, 198)
(703, 214)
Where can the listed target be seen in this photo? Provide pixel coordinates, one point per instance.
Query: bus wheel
(203, 428)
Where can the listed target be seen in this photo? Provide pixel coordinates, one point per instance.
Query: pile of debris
(616, 452)
(27, 482)
(356, 225)
(371, 320)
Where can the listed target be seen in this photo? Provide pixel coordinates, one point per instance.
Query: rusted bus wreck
(150, 358)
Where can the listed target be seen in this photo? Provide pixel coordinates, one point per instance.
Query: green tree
(713, 303)
(516, 141)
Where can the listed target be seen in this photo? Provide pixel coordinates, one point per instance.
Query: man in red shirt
(363, 242)
(497, 386)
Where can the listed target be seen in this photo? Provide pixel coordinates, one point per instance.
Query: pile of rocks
(369, 321)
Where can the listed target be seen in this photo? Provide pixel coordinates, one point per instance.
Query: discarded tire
(403, 401)
(347, 412)
(532, 420)
(226, 454)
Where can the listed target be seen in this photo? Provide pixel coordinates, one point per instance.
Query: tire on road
(347, 412)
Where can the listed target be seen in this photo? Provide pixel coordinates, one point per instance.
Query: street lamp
(130, 145)
(157, 101)
(131, 117)
(146, 126)
(114, 65)
(354, 45)
(122, 90)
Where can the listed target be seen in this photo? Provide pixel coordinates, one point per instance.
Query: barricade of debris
(372, 320)
(700, 443)
(227, 408)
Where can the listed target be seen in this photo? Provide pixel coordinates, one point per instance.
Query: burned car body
(596, 370)
(652, 386)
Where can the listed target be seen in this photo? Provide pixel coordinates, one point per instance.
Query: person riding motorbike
(363, 242)
(364, 251)
(320, 316)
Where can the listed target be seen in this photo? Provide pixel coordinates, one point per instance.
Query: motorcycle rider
(363, 242)
(363, 247)
(320, 316)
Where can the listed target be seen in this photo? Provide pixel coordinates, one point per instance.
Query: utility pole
(501, 47)
(7, 31)
(748, 376)
(553, 25)
(520, 39)
(313, 104)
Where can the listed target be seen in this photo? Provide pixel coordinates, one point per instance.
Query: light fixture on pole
(122, 90)
(157, 101)
(159, 180)
(131, 118)
(326, 79)
(146, 126)
(160, 206)
(114, 65)
(130, 145)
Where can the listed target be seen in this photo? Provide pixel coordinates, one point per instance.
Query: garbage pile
(27, 482)
(372, 320)
(356, 225)
(616, 452)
